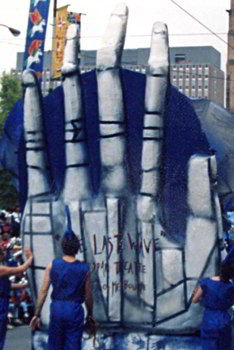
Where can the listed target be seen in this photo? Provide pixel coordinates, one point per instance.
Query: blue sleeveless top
(217, 299)
(68, 280)
(5, 287)
(217, 295)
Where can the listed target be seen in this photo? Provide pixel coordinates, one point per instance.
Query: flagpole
(55, 8)
(53, 41)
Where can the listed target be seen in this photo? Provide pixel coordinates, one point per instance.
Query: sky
(183, 29)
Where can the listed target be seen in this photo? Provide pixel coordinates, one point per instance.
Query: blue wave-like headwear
(68, 233)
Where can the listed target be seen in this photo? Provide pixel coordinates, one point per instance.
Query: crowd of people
(10, 222)
(20, 301)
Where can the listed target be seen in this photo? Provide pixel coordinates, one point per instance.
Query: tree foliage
(9, 197)
(10, 92)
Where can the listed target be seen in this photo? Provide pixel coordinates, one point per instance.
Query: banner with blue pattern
(35, 38)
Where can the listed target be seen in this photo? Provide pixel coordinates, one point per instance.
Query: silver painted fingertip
(110, 51)
(120, 10)
(160, 28)
(70, 61)
(158, 62)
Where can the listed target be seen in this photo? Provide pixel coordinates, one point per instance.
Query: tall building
(230, 61)
(195, 71)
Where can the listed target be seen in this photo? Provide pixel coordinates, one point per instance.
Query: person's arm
(35, 322)
(88, 294)
(197, 295)
(10, 271)
(19, 285)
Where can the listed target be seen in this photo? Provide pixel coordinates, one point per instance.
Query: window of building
(179, 57)
(199, 94)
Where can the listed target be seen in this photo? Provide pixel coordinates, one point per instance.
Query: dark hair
(70, 245)
(226, 272)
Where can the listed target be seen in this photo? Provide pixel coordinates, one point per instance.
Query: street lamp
(13, 31)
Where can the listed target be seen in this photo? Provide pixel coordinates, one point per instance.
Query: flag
(35, 38)
(74, 17)
(59, 40)
(63, 20)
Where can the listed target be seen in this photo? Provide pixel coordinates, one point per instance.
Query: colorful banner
(74, 17)
(63, 20)
(35, 39)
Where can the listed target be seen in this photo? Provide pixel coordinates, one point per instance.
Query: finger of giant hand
(105, 222)
(36, 156)
(204, 226)
(110, 103)
(155, 99)
(77, 183)
(151, 162)
(42, 227)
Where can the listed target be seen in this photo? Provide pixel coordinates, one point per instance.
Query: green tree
(9, 197)
(10, 92)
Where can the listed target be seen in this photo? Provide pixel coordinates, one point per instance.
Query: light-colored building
(195, 71)
(230, 61)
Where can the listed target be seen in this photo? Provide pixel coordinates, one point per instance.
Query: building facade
(195, 71)
(230, 61)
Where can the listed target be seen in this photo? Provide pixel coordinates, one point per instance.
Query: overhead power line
(202, 24)
(6, 41)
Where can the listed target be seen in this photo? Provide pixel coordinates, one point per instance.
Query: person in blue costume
(6, 286)
(216, 294)
(71, 282)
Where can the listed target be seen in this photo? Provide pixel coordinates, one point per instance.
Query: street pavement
(18, 338)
